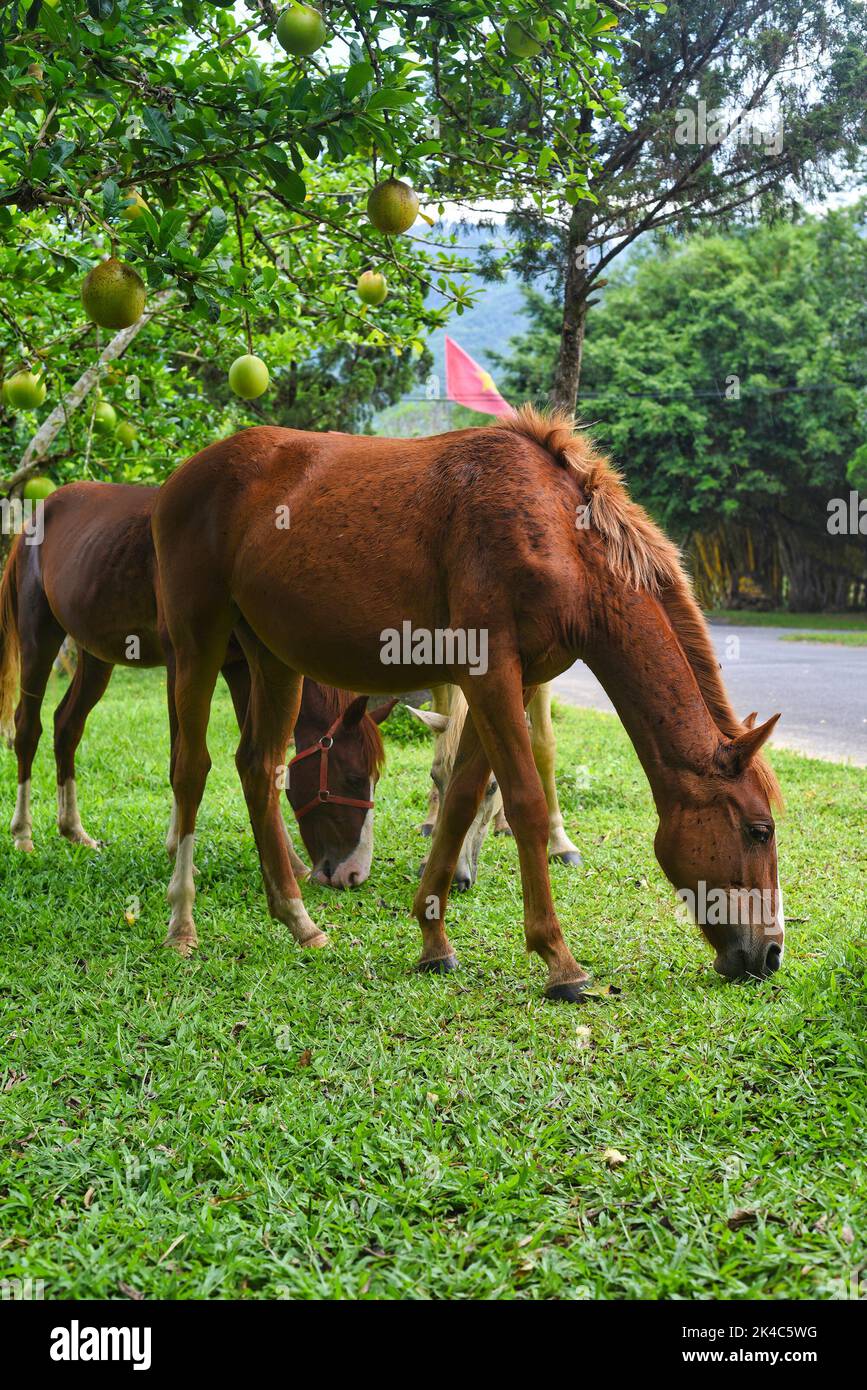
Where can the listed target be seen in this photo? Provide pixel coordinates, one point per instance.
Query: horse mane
(643, 557)
(335, 702)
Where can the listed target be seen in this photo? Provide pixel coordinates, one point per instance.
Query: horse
(94, 576)
(467, 553)
(447, 713)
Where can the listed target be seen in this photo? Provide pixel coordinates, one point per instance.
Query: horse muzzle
(757, 962)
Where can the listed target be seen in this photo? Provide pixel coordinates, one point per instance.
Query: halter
(324, 795)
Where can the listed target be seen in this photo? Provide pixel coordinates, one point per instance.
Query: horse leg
(544, 746)
(497, 705)
(89, 684)
(466, 787)
(275, 697)
(193, 671)
(41, 637)
(236, 674)
(440, 701)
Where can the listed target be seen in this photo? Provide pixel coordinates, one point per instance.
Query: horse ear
(750, 721)
(736, 755)
(437, 723)
(354, 712)
(383, 711)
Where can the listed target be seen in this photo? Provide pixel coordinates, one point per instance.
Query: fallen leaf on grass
(130, 1292)
(306, 1058)
(174, 1245)
(238, 1027)
(88, 1197)
(847, 1235)
(742, 1216)
(614, 1158)
(583, 1034)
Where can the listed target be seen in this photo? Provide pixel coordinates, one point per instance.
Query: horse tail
(10, 646)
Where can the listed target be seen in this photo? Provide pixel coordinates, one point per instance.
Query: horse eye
(761, 832)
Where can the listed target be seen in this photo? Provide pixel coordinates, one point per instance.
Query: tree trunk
(567, 374)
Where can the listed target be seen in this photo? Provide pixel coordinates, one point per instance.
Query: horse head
(716, 842)
(332, 780)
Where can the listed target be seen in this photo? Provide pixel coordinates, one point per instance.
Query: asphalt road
(820, 688)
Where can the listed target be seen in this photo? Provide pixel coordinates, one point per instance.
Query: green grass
(845, 622)
(836, 639)
(264, 1122)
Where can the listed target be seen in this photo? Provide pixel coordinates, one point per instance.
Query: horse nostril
(774, 958)
(325, 866)
(353, 880)
(462, 884)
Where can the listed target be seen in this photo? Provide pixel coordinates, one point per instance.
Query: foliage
(727, 375)
(732, 112)
(330, 1124)
(254, 169)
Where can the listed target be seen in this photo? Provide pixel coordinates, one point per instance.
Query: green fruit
(37, 489)
(372, 287)
(248, 377)
(25, 390)
(126, 432)
(113, 294)
(104, 418)
(301, 30)
(134, 209)
(392, 207)
(524, 37)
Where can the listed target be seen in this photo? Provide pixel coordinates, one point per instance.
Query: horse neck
(639, 661)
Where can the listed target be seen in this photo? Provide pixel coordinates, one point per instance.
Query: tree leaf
(215, 230)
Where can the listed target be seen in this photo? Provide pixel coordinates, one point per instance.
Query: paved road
(820, 688)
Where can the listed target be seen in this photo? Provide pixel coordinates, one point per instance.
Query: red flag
(470, 385)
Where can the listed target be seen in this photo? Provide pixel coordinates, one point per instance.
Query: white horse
(446, 721)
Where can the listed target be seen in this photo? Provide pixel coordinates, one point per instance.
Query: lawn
(262, 1122)
(835, 639)
(853, 622)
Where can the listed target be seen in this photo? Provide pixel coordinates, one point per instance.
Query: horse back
(98, 569)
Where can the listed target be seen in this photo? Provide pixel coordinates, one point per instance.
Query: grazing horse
(467, 544)
(94, 576)
(446, 719)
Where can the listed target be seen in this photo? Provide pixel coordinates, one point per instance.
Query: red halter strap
(324, 795)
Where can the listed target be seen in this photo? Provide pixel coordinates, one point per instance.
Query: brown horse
(94, 576)
(466, 554)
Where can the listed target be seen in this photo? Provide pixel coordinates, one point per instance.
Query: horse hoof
(81, 838)
(444, 966)
(182, 944)
(315, 943)
(25, 846)
(427, 830)
(568, 856)
(573, 993)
